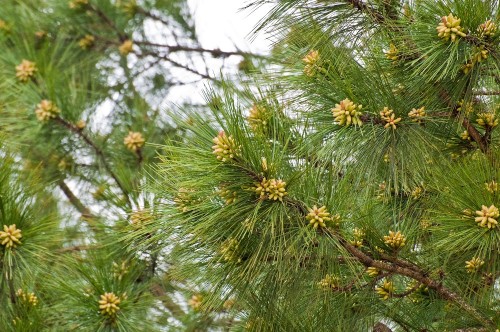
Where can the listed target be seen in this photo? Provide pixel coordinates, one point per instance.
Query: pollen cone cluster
(450, 28)
(224, 147)
(10, 237)
(46, 110)
(347, 113)
(108, 304)
(487, 216)
(25, 70)
(318, 216)
(271, 189)
(134, 141)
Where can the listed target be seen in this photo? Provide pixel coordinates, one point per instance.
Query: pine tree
(83, 109)
(357, 188)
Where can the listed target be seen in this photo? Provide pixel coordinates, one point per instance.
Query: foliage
(385, 118)
(84, 103)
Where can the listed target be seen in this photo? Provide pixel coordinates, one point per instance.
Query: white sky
(221, 24)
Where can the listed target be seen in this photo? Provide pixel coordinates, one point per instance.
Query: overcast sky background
(221, 24)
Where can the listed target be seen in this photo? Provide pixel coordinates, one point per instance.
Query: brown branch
(216, 53)
(75, 201)
(418, 275)
(159, 292)
(380, 327)
(362, 7)
(98, 152)
(175, 63)
(486, 93)
(123, 37)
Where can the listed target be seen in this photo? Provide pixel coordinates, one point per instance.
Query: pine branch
(419, 275)
(98, 151)
(173, 307)
(216, 53)
(75, 201)
(473, 132)
(122, 36)
(486, 93)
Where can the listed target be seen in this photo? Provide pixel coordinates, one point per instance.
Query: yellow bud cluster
(329, 282)
(78, 4)
(418, 291)
(359, 235)
(225, 147)
(140, 217)
(311, 61)
(347, 113)
(372, 271)
(389, 117)
(464, 107)
(486, 217)
(4, 26)
(228, 195)
(449, 28)
(487, 29)
(81, 124)
(195, 301)
(129, 7)
(25, 70)
(474, 264)
(478, 54)
(184, 199)
(258, 118)
(271, 189)
(46, 110)
(27, 298)
(465, 135)
(492, 186)
(126, 47)
(385, 290)
(86, 42)
(395, 240)
(11, 236)
(417, 192)
(318, 216)
(120, 270)
(134, 141)
(392, 53)
(230, 250)
(417, 114)
(229, 304)
(487, 120)
(108, 304)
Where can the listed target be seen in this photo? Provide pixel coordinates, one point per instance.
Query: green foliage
(410, 192)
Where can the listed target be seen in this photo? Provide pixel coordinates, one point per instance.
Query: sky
(221, 24)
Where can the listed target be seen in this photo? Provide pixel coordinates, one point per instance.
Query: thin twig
(98, 151)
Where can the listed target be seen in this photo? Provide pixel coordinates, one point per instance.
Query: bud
(392, 53)
(126, 47)
(108, 304)
(449, 28)
(486, 217)
(134, 141)
(473, 265)
(46, 110)
(10, 236)
(25, 71)
(395, 240)
(347, 113)
(86, 42)
(318, 216)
